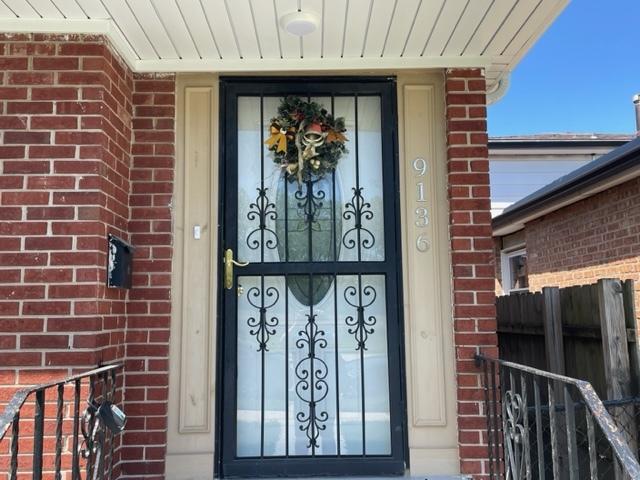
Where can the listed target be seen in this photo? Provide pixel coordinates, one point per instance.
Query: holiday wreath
(306, 140)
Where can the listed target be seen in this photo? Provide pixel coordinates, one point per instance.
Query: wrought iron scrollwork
(309, 204)
(312, 387)
(361, 325)
(93, 433)
(358, 210)
(97, 432)
(262, 210)
(514, 435)
(263, 327)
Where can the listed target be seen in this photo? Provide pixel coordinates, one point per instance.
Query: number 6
(422, 244)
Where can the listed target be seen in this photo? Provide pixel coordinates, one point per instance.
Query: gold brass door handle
(229, 262)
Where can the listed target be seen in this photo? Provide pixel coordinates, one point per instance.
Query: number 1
(420, 186)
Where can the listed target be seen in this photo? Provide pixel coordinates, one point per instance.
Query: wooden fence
(586, 332)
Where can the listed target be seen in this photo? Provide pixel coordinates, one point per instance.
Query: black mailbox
(119, 263)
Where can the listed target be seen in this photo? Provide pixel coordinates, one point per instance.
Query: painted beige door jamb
(430, 364)
(192, 344)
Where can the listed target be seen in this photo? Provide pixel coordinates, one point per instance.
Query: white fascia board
(308, 64)
(55, 25)
(508, 63)
(104, 27)
(107, 28)
(122, 46)
(549, 20)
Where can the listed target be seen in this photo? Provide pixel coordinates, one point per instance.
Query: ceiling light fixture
(299, 23)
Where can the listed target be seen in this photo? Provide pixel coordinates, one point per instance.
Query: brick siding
(149, 306)
(66, 152)
(472, 257)
(598, 237)
(65, 126)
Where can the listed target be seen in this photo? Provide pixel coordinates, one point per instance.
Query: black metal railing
(83, 431)
(542, 425)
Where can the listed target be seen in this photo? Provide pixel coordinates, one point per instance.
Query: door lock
(229, 262)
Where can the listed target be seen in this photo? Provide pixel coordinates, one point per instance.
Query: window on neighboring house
(514, 271)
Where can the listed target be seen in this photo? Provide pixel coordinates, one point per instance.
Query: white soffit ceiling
(245, 35)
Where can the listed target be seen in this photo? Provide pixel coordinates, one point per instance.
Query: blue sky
(579, 77)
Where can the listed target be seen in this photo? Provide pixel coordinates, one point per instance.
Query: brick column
(86, 150)
(65, 133)
(149, 306)
(65, 141)
(472, 257)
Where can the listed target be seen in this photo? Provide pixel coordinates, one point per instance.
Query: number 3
(422, 217)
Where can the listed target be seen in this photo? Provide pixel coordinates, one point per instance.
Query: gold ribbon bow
(278, 136)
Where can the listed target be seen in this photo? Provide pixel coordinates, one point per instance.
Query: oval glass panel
(309, 216)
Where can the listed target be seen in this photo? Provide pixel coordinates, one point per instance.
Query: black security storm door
(310, 339)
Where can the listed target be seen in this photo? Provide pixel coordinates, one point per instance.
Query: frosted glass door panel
(311, 338)
(337, 217)
(313, 375)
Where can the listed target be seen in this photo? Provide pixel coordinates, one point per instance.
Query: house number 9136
(421, 218)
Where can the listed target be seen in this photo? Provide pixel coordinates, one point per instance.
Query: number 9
(420, 166)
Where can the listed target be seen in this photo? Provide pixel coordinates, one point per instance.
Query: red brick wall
(598, 237)
(472, 256)
(149, 307)
(65, 115)
(66, 152)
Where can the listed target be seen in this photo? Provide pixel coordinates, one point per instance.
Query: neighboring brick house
(146, 120)
(576, 230)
